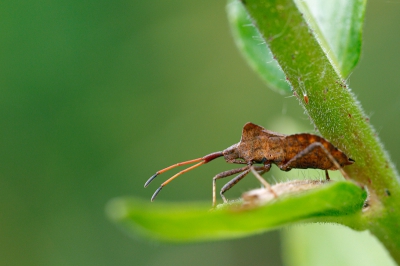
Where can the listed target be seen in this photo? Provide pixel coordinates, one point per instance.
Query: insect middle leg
(292, 162)
(258, 174)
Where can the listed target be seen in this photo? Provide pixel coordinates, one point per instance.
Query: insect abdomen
(315, 158)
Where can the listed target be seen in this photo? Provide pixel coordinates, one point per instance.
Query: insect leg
(262, 180)
(292, 162)
(233, 182)
(327, 175)
(225, 174)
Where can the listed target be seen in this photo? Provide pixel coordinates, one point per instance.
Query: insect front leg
(226, 174)
(233, 182)
(258, 171)
(292, 163)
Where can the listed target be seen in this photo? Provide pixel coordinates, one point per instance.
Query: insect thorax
(231, 153)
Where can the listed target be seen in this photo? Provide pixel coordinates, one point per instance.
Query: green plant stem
(334, 111)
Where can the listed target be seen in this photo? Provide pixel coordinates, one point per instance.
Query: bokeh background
(95, 96)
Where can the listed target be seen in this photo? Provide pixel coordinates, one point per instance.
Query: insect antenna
(202, 160)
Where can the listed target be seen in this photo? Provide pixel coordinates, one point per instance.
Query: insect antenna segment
(202, 160)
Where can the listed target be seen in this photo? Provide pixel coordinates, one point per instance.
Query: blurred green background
(96, 96)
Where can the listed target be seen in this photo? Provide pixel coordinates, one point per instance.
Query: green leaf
(196, 222)
(254, 49)
(336, 24)
(338, 27)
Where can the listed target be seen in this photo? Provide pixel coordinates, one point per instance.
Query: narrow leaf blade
(252, 46)
(195, 222)
(338, 26)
